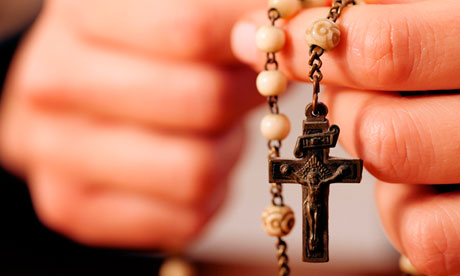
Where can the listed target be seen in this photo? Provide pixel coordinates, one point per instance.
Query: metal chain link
(314, 73)
(276, 191)
(273, 104)
(283, 259)
(337, 7)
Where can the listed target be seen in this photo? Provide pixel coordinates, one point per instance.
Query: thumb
(383, 47)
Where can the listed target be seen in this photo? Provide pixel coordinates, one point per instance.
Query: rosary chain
(337, 7)
(273, 16)
(273, 104)
(274, 146)
(314, 73)
(277, 197)
(283, 259)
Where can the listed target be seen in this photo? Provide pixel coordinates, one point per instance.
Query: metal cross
(315, 170)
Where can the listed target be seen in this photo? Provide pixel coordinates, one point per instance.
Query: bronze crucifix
(315, 170)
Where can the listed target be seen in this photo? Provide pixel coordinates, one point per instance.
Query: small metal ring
(314, 110)
(273, 15)
(273, 104)
(271, 145)
(271, 59)
(316, 85)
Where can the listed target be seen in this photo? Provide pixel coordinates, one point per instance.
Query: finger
(383, 47)
(423, 223)
(164, 94)
(401, 139)
(184, 169)
(179, 29)
(389, 2)
(111, 218)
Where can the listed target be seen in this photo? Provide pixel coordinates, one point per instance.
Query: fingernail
(244, 42)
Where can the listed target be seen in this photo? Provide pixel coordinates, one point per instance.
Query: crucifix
(315, 170)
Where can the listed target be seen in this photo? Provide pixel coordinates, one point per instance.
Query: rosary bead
(271, 83)
(323, 33)
(275, 126)
(278, 221)
(270, 39)
(176, 267)
(407, 268)
(286, 8)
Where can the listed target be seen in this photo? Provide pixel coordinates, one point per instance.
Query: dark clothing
(29, 248)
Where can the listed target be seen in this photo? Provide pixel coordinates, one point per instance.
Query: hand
(124, 117)
(407, 140)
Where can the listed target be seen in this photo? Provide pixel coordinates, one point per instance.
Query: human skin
(411, 144)
(124, 117)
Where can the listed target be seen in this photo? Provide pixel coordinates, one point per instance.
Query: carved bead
(278, 221)
(275, 126)
(271, 83)
(286, 8)
(323, 33)
(406, 267)
(270, 39)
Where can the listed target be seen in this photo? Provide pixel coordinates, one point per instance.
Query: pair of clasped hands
(125, 116)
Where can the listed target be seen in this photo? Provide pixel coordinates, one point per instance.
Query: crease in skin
(449, 252)
(439, 251)
(452, 252)
(385, 149)
(415, 132)
(391, 53)
(401, 149)
(411, 227)
(417, 49)
(427, 219)
(440, 241)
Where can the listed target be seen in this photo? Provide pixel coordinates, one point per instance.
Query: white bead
(271, 83)
(406, 267)
(270, 39)
(278, 221)
(286, 8)
(323, 33)
(275, 126)
(176, 267)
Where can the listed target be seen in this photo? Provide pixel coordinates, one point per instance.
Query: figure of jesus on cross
(315, 170)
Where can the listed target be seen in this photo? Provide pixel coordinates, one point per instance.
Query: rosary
(314, 169)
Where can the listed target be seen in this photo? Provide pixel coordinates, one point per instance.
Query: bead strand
(277, 219)
(271, 83)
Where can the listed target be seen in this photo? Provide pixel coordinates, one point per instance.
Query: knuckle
(192, 29)
(36, 86)
(55, 214)
(386, 56)
(212, 109)
(196, 222)
(199, 173)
